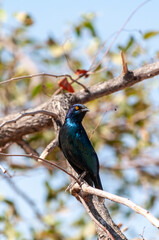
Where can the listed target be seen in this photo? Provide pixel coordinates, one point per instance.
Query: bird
(77, 148)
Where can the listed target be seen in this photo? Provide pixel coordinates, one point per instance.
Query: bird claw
(82, 175)
(80, 178)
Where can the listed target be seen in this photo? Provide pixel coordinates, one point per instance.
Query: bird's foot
(82, 175)
(80, 178)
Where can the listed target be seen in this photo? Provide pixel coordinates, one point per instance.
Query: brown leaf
(81, 72)
(66, 85)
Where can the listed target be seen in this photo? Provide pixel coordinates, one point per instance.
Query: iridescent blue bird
(76, 146)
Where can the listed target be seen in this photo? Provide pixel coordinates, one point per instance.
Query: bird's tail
(97, 182)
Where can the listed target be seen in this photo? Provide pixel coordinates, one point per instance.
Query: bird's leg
(80, 177)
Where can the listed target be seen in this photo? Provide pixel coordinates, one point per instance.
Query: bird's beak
(85, 109)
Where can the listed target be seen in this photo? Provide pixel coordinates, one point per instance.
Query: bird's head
(77, 112)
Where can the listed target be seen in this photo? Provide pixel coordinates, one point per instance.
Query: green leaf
(150, 34)
(129, 44)
(36, 90)
(90, 27)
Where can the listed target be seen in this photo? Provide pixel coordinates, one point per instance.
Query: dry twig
(48, 75)
(26, 146)
(43, 161)
(109, 108)
(4, 171)
(50, 147)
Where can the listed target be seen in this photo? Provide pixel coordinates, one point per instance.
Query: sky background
(55, 18)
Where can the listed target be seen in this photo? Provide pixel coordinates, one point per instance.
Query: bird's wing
(85, 151)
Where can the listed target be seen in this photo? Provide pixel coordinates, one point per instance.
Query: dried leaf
(81, 72)
(66, 85)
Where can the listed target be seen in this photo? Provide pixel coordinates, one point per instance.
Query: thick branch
(59, 104)
(118, 83)
(13, 132)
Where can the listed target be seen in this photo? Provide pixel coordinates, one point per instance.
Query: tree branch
(59, 104)
(93, 217)
(73, 80)
(24, 114)
(116, 84)
(122, 200)
(44, 162)
(50, 147)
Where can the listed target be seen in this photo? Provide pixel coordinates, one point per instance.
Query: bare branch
(24, 114)
(5, 146)
(35, 75)
(26, 146)
(118, 83)
(48, 75)
(43, 161)
(109, 108)
(122, 200)
(98, 212)
(99, 50)
(4, 170)
(53, 144)
(12, 133)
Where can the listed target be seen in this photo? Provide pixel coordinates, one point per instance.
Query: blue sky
(54, 17)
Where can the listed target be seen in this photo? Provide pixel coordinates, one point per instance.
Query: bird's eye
(77, 108)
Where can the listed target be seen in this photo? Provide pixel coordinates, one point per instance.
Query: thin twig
(50, 147)
(36, 75)
(26, 146)
(46, 74)
(5, 146)
(24, 114)
(43, 161)
(69, 62)
(99, 50)
(5, 171)
(125, 201)
(103, 44)
(116, 36)
(109, 108)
